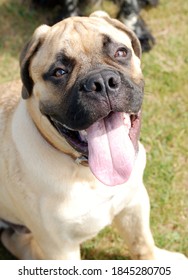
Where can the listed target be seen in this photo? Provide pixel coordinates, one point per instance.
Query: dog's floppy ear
(119, 25)
(25, 58)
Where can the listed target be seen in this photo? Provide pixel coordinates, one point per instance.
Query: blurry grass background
(165, 118)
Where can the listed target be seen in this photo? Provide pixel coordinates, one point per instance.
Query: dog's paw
(161, 254)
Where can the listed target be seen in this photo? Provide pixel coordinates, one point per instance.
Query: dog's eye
(59, 72)
(121, 52)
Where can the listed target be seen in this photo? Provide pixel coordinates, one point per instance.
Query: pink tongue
(111, 153)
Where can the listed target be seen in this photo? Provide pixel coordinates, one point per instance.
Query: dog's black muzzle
(100, 92)
(94, 96)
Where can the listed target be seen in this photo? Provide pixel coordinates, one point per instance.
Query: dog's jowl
(71, 161)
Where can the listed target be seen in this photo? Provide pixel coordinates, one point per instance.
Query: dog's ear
(25, 58)
(119, 25)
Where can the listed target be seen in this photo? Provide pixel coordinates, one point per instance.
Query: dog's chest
(86, 211)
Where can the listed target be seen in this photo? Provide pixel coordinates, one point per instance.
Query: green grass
(165, 116)
(165, 129)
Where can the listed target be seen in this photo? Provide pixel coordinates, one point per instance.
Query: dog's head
(83, 86)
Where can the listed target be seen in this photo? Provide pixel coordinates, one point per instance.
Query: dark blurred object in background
(129, 14)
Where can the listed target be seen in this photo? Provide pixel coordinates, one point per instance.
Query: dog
(71, 161)
(129, 14)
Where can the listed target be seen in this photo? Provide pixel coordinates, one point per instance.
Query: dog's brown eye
(59, 72)
(122, 52)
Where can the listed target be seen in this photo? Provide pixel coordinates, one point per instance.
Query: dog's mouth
(109, 145)
(77, 139)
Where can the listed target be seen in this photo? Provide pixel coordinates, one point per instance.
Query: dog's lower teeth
(127, 121)
(83, 135)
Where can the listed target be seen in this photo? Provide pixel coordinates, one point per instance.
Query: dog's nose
(107, 81)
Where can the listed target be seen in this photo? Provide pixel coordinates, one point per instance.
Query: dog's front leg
(133, 223)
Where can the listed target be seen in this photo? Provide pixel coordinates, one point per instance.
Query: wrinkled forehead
(76, 36)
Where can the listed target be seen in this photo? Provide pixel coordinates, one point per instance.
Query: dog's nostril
(92, 87)
(97, 87)
(112, 83)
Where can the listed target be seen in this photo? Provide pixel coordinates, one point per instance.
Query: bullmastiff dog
(71, 162)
